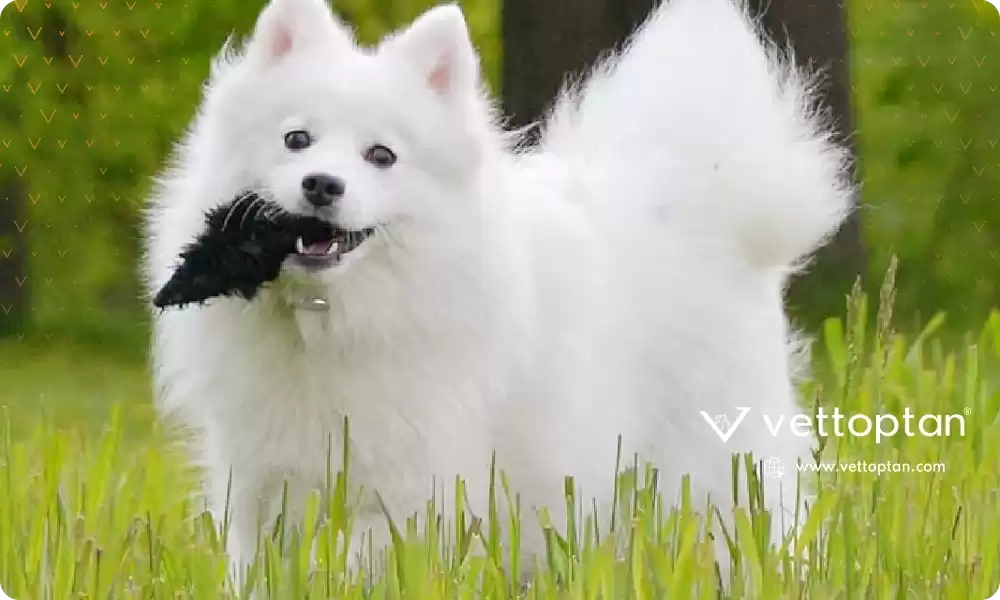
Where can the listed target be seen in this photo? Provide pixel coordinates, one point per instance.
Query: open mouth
(331, 250)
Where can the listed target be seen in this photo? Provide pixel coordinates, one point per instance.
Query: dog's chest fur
(280, 409)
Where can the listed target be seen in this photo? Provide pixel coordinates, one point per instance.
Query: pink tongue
(319, 247)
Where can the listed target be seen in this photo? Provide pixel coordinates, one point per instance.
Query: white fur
(617, 280)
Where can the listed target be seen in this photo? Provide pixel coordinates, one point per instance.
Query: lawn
(72, 386)
(94, 503)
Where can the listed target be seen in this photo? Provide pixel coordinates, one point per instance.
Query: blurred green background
(95, 92)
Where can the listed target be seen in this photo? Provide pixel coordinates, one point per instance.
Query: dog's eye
(297, 140)
(380, 156)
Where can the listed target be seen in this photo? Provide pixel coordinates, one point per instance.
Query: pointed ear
(289, 26)
(438, 47)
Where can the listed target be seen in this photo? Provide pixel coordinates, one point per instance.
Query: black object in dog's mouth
(343, 241)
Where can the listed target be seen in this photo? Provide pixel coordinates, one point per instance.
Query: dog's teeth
(333, 248)
(300, 246)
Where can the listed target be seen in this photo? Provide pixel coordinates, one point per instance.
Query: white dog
(619, 279)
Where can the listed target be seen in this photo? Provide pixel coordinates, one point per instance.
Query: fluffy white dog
(619, 279)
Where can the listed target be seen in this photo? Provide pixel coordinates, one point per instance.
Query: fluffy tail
(705, 121)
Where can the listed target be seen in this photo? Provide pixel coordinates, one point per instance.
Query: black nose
(322, 190)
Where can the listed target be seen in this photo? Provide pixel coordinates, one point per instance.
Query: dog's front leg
(370, 537)
(238, 505)
(240, 533)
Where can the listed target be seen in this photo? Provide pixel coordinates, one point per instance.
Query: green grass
(115, 515)
(72, 386)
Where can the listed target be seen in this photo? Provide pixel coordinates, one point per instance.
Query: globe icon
(774, 468)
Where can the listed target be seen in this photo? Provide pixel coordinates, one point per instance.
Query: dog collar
(311, 303)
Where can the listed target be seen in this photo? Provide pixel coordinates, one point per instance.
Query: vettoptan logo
(837, 424)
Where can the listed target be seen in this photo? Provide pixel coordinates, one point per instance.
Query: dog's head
(383, 142)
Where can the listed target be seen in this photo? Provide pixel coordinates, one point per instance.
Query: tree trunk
(547, 41)
(14, 221)
(817, 30)
(13, 258)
